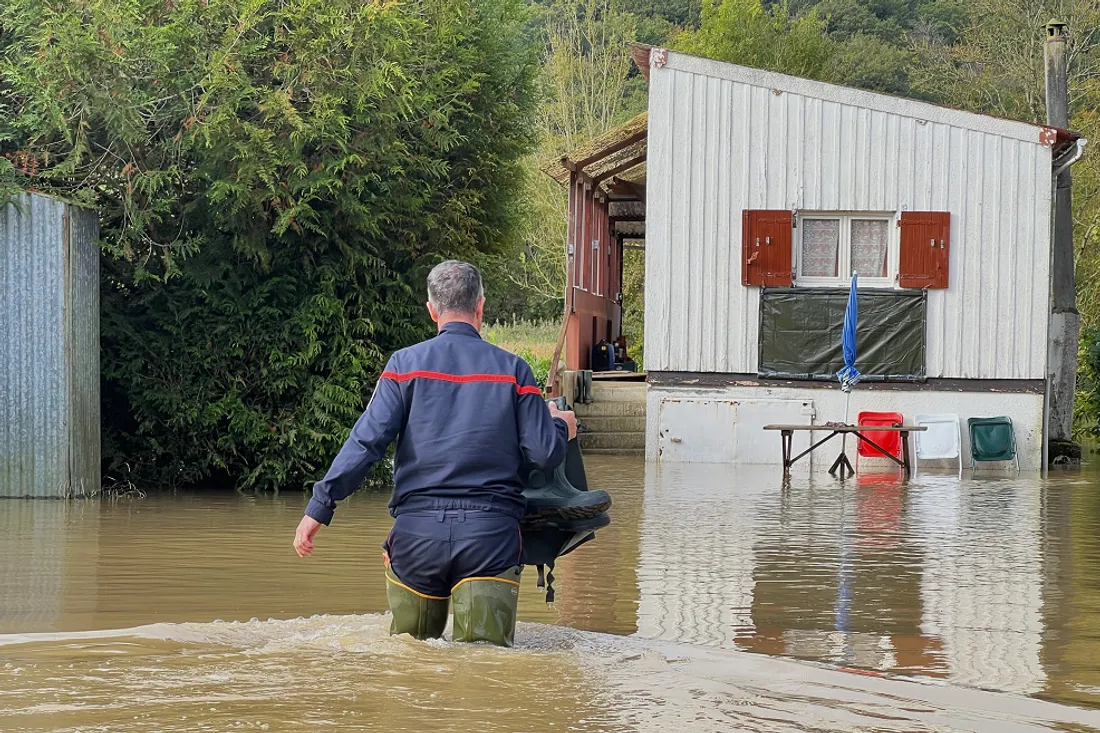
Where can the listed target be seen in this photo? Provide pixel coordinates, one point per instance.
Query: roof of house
(617, 157)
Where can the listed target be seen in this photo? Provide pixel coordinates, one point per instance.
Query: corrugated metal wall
(83, 322)
(723, 139)
(49, 349)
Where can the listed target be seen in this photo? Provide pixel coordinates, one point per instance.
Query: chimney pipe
(1057, 89)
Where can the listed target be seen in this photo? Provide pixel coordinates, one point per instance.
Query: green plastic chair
(992, 439)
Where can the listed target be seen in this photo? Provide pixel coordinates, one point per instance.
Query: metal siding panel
(995, 253)
(892, 105)
(828, 195)
(1038, 199)
(846, 154)
(810, 193)
(738, 146)
(905, 162)
(952, 351)
(760, 125)
(862, 155)
(728, 244)
(682, 206)
(688, 316)
(972, 312)
(876, 162)
(922, 167)
(795, 152)
(893, 161)
(709, 262)
(1014, 219)
(1016, 224)
(740, 178)
(34, 451)
(750, 356)
(84, 376)
(925, 165)
(776, 160)
(990, 328)
(938, 327)
(659, 210)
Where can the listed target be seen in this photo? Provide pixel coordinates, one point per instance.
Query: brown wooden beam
(620, 168)
(615, 147)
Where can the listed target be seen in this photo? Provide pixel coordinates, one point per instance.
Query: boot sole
(584, 511)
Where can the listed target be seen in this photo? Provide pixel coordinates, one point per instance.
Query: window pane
(820, 246)
(869, 247)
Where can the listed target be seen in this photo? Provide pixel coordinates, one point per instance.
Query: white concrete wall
(1026, 411)
(724, 138)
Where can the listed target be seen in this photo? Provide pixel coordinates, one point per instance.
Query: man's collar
(458, 328)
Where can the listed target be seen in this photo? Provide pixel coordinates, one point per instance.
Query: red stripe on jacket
(462, 379)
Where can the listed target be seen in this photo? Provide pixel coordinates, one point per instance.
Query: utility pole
(1065, 321)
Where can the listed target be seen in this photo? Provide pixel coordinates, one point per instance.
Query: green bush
(274, 178)
(540, 366)
(1087, 403)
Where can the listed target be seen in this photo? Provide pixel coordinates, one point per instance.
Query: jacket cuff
(319, 511)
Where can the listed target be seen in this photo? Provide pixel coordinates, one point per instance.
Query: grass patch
(537, 338)
(532, 341)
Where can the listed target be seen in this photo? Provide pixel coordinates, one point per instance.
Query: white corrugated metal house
(764, 192)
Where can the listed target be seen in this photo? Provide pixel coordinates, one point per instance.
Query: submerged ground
(191, 612)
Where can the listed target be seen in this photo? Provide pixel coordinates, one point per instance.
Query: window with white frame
(830, 246)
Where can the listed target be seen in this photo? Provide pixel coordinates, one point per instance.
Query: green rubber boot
(485, 608)
(420, 616)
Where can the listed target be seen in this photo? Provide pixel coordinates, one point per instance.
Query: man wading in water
(467, 415)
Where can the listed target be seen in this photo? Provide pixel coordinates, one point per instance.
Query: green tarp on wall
(800, 333)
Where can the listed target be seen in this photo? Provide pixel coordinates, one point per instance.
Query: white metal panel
(706, 430)
(697, 430)
(723, 139)
(754, 445)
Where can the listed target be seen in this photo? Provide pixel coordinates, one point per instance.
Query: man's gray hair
(455, 287)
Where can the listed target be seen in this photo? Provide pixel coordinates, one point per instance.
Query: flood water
(719, 599)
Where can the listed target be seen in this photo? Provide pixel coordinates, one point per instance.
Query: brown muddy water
(719, 599)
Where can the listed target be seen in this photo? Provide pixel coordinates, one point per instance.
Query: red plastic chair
(889, 440)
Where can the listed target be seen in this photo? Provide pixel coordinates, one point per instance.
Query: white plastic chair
(941, 441)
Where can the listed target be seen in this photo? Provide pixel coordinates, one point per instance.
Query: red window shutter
(766, 254)
(925, 249)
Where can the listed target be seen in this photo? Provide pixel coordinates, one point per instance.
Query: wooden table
(787, 436)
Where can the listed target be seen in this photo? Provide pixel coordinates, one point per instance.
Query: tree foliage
(585, 85)
(273, 178)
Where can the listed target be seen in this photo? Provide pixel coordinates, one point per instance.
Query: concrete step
(614, 451)
(609, 409)
(612, 440)
(618, 392)
(613, 424)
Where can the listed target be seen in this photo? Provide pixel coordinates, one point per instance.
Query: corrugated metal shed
(49, 349)
(724, 138)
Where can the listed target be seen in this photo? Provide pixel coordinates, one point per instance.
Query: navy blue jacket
(466, 415)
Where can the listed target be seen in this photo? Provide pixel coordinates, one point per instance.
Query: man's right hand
(569, 418)
(303, 536)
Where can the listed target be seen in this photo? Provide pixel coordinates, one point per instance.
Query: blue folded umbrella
(849, 375)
